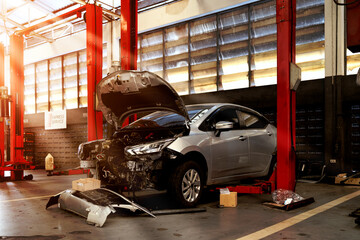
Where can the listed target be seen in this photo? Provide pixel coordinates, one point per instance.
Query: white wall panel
(162, 16)
(181, 10)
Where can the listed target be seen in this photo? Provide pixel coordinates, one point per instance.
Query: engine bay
(117, 161)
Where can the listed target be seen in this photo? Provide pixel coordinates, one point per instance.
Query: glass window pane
(203, 55)
(177, 58)
(42, 86)
(139, 53)
(104, 64)
(55, 79)
(310, 50)
(70, 95)
(83, 78)
(152, 53)
(263, 44)
(70, 81)
(29, 88)
(353, 62)
(234, 49)
(83, 102)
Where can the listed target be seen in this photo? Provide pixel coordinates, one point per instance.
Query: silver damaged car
(175, 147)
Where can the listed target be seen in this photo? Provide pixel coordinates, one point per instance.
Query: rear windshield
(168, 119)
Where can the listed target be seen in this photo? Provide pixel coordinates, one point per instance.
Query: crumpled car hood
(123, 93)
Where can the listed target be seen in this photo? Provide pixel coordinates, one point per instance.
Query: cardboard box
(84, 184)
(228, 200)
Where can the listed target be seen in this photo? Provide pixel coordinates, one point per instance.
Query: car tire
(187, 184)
(272, 167)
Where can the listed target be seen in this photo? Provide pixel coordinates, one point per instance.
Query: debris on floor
(288, 200)
(95, 205)
(342, 178)
(285, 197)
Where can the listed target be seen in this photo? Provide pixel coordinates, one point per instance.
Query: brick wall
(62, 144)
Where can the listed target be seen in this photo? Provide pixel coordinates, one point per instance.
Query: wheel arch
(199, 159)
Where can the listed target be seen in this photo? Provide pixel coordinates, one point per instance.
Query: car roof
(217, 105)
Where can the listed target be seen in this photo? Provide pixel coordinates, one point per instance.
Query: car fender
(194, 143)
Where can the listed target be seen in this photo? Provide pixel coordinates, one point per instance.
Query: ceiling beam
(104, 10)
(57, 18)
(58, 24)
(6, 19)
(42, 8)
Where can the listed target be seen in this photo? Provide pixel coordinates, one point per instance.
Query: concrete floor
(23, 216)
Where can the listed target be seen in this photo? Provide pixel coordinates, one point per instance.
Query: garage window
(70, 63)
(42, 86)
(176, 57)
(29, 86)
(55, 83)
(233, 49)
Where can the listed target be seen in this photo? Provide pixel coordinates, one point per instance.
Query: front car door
(229, 150)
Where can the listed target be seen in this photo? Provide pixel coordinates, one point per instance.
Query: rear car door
(262, 141)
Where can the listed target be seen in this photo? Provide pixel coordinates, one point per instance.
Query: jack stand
(261, 187)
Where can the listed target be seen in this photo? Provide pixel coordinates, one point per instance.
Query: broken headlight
(153, 147)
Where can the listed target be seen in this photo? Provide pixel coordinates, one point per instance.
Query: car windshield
(168, 119)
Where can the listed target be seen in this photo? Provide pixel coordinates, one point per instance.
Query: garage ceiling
(19, 14)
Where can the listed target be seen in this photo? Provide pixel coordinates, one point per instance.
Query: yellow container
(49, 162)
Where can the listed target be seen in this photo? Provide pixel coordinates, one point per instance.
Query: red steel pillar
(17, 103)
(286, 101)
(94, 48)
(129, 40)
(2, 120)
(129, 34)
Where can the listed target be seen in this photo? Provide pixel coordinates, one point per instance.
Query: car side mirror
(223, 126)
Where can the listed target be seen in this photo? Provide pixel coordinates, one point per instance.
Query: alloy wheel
(191, 185)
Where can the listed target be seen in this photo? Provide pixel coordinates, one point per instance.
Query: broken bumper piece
(94, 205)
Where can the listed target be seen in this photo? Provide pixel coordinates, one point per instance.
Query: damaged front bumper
(94, 205)
(130, 168)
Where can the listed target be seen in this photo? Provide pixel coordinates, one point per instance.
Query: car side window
(248, 120)
(226, 114)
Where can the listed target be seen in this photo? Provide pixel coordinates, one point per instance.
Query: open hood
(123, 93)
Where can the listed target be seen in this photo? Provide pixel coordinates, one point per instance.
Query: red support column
(17, 103)
(129, 34)
(94, 48)
(129, 40)
(286, 101)
(2, 120)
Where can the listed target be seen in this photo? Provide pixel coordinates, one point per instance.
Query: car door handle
(269, 133)
(242, 138)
